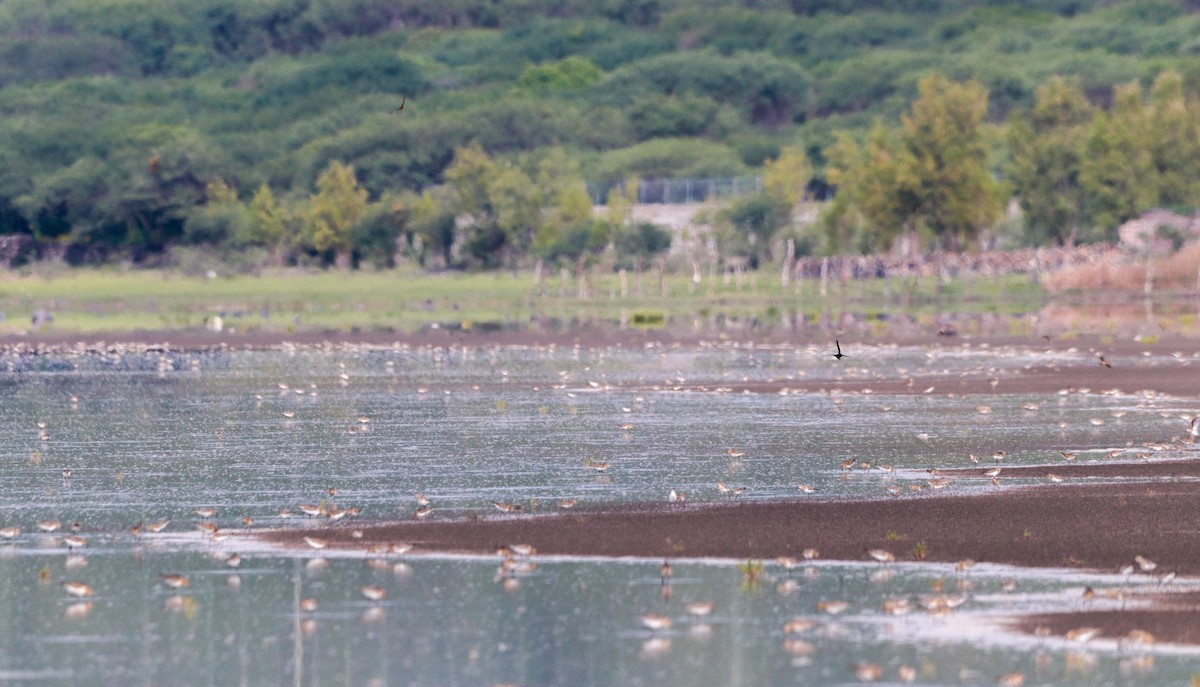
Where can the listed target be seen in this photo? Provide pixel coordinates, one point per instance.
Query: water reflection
(152, 440)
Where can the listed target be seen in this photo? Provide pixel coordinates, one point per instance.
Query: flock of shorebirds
(519, 560)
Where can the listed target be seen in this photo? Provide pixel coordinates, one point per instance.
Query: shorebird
(174, 581)
(810, 554)
(867, 672)
(422, 500)
(1105, 363)
(402, 103)
(308, 605)
(310, 509)
(1145, 564)
(78, 589)
(806, 488)
(373, 593)
(735, 452)
(1011, 680)
(1068, 455)
(999, 456)
(881, 555)
(316, 543)
(1053, 477)
(234, 560)
(839, 354)
(992, 472)
(423, 511)
(832, 607)
(1083, 634)
(656, 621)
(75, 542)
(700, 608)
(206, 512)
(567, 503)
(849, 463)
(9, 532)
(507, 507)
(49, 525)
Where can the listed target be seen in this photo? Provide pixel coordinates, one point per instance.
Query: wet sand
(1059, 525)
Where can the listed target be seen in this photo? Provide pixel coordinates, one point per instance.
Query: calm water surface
(152, 435)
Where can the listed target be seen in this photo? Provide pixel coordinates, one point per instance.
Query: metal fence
(681, 190)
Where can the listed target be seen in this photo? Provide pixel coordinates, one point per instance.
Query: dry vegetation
(1180, 270)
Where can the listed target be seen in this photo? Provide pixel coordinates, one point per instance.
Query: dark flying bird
(398, 109)
(838, 355)
(1104, 362)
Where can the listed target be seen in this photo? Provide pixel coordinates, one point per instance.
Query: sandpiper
(806, 488)
(78, 589)
(1068, 455)
(507, 507)
(210, 527)
(832, 607)
(881, 555)
(999, 456)
(700, 608)
(75, 542)
(316, 543)
(49, 525)
(1054, 477)
(234, 560)
(810, 554)
(10, 532)
(867, 672)
(422, 500)
(1011, 680)
(992, 472)
(373, 593)
(1145, 564)
(308, 605)
(735, 452)
(656, 621)
(567, 503)
(206, 512)
(310, 509)
(849, 463)
(157, 526)
(423, 511)
(1083, 634)
(174, 581)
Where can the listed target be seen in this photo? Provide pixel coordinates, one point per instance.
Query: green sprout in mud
(752, 573)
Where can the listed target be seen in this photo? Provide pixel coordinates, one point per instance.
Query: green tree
(1173, 128)
(955, 195)
(786, 177)
(1047, 150)
(1118, 171)
(333, 212)
(267, 223)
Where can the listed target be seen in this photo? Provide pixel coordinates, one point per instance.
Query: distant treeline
(266, 132)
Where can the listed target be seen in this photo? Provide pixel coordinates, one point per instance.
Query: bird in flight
(1104, 362)
(398, 109)
(838, 355)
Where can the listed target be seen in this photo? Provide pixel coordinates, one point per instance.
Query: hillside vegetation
(267, 131)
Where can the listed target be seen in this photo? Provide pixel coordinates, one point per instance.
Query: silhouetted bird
(398, 109)
(838, 355)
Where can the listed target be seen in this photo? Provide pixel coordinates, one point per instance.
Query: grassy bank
(99, 301)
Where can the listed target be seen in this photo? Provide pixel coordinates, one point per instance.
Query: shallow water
(157, 435)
